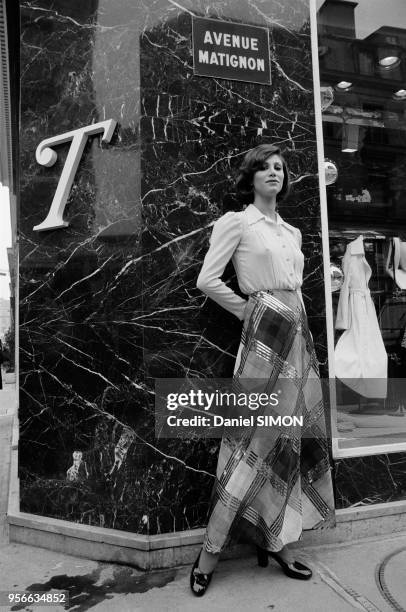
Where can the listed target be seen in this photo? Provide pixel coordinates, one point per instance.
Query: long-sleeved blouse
(265, 254)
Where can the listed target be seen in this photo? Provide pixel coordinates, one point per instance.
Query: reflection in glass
(336, 276)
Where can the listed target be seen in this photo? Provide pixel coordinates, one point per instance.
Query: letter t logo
(47, 157)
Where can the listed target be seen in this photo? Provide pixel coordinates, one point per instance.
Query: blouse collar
(356, 247)
(254, 214)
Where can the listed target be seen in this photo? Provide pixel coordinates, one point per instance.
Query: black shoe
(199, 582)
(293, 570)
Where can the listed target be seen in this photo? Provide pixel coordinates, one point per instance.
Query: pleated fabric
(274, 482)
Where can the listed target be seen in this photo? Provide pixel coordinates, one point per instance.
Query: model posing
(269, 486)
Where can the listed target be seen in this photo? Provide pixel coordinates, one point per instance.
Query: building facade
(130, 138)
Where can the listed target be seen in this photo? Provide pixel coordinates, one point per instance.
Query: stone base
(170, 550)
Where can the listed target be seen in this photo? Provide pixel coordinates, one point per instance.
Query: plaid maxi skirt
(272, 483)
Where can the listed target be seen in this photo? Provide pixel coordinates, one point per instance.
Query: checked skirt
(273, 482)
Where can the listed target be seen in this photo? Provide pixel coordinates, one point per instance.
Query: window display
(362, 66)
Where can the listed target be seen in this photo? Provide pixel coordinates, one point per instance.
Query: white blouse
(265, 254)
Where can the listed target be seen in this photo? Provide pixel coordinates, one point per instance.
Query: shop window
(364, 134)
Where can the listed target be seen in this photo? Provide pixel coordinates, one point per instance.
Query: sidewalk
(7, 411)
(344, 580)
(366, 575)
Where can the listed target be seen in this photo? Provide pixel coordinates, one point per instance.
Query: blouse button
(284, 246)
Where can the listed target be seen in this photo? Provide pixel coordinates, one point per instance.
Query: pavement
(367, 575)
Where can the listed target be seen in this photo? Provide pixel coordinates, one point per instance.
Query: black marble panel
(375, 479)
(109, 303)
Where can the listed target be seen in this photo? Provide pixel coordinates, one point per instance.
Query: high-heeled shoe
(293, 570)
(199, 582)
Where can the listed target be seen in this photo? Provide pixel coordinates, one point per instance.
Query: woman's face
(269, 181)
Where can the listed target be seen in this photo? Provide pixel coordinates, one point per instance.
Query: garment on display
(360, 356)
(392, 320)
(396, 262)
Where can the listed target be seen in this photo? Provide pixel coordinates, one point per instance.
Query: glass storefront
(362, 52)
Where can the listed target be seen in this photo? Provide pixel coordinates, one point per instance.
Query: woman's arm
(299, 242)
(224, 240)
(299, 237)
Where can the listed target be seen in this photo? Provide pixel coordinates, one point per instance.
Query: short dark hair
(254, 160)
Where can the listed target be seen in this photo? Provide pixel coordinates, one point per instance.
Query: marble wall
(109, 303)
(376, 479)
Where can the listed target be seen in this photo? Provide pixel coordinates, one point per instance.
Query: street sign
(227, 50)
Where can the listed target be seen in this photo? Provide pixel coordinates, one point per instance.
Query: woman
(269, 485)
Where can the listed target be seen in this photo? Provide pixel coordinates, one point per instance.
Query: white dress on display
(361, 360)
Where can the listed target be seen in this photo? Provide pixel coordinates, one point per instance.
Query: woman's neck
(266, 206)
